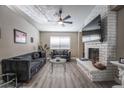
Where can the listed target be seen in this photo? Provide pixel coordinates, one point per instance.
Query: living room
(49, 41)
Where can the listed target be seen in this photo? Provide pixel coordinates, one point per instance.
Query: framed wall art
(20, 36)
(32, 39)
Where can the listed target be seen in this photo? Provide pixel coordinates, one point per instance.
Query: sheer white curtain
(60, 42)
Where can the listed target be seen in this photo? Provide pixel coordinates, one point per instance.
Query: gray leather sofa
(61, 53)
(25, 66)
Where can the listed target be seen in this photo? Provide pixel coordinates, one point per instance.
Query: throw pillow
(65, 52)
(55, 52)
(35, 55)
(43, 54)
(40, 53)
(99, 66)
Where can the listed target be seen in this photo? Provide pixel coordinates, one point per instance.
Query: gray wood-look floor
(72, 78)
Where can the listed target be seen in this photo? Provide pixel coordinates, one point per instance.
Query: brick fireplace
(106, 49)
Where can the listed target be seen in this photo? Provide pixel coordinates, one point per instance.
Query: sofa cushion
(17, 58)
(56, 56)
(37, 60)
(33, 64)
(64, 56)
(27, 57)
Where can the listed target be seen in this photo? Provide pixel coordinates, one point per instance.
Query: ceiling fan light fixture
(60, 22)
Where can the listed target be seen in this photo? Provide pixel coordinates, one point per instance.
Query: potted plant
(44, 47)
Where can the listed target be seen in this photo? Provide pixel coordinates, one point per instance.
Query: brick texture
(107, 49)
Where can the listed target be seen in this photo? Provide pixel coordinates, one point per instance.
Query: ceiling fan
(61, 20)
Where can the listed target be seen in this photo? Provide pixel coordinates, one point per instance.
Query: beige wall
(80, 45)
(8, 21)
(45, 39)
(120, 34)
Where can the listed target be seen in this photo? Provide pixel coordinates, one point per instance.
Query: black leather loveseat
(61, 53)
(25, 66)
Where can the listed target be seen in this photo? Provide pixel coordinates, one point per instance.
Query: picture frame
(20, 37)
(121, 60)
(32, 39)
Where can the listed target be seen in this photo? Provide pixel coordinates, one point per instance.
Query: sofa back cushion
(60, 52)
(28, 57)
(55, 52)
(65, 52)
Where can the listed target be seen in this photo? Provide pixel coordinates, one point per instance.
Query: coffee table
(58, 60)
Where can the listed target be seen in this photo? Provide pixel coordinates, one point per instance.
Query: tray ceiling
(43, 17)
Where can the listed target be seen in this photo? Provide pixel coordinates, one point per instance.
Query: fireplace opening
(94, 54)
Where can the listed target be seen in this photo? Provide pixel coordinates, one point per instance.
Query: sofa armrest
(52, 54)
(69, 54)
(20, 67)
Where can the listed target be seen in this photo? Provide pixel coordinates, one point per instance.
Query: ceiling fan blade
(68, 22)
(67, 17)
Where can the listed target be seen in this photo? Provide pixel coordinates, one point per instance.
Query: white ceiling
(39, 16)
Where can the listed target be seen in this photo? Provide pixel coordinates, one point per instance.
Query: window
(60, 42)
